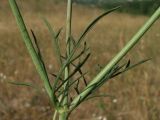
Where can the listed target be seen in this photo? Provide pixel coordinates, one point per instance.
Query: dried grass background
(137, 92)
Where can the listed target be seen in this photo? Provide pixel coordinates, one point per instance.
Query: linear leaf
(94, 22)
(76, 69)
(72, 83)
(131, 67)
(63, 68)
(54, 40)
(58, 33)
(128, 64)
(54, 75)
(38, 51)
(80, 71)
(21, 84)
(84, 50)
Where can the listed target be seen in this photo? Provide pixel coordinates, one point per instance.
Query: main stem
(63, 116)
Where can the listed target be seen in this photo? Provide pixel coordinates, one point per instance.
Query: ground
(137, 92)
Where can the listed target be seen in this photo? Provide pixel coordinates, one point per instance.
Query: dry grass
(137, 91)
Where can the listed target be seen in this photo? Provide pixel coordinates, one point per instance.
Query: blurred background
(137, 92)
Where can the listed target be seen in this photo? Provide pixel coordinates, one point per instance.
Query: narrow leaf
(21, 84)
(128, 64)
(72, 83)
(135, 65)
(58, 33)
(54, 40)
(77, 91)
(54, 75)
(38, 50)
(95, 21)
(76, 69)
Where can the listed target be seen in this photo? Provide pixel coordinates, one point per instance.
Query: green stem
(32, 51)
(116, 59)
(69, 21)
(68, 34)
(63, 116)
(55, 115)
